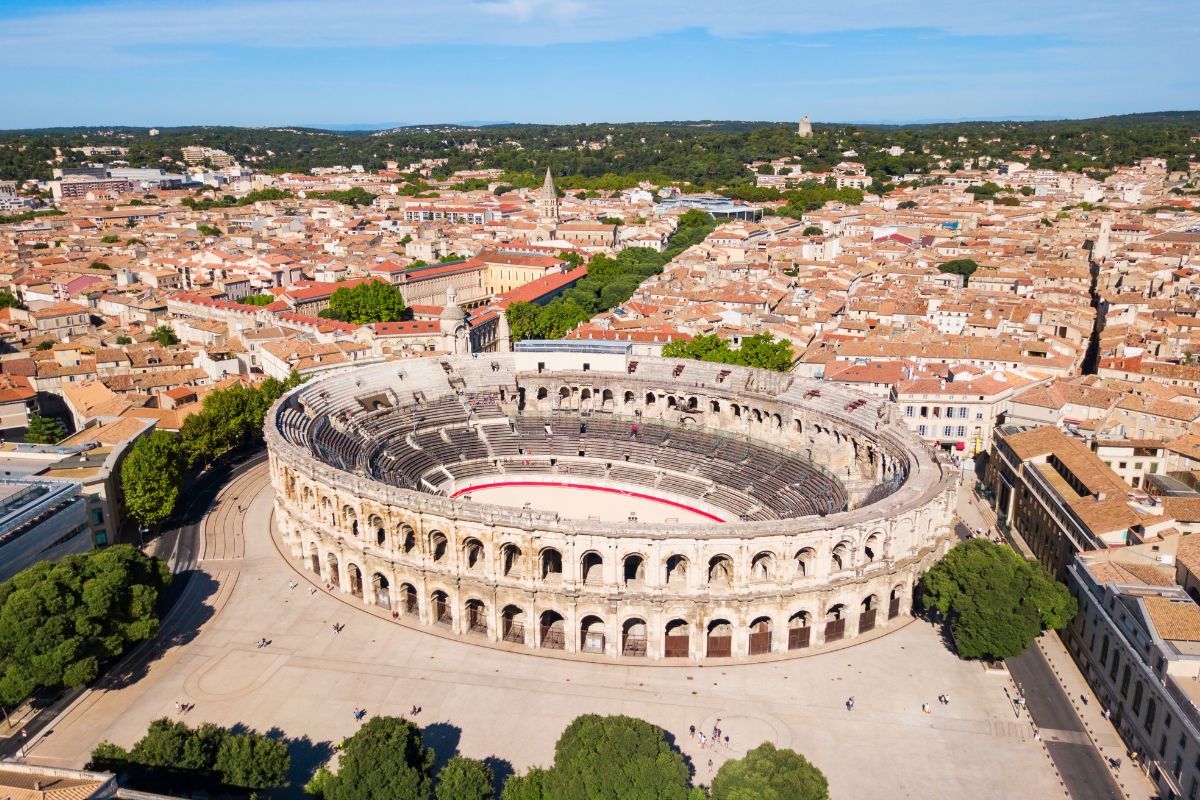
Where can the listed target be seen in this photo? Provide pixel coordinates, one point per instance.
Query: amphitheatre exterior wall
(678, 593)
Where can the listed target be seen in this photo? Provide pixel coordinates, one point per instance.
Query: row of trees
(366, 302)
(762, 350)
(609, 283)
(596, 758)
(153, 472)
(60, 621)
(355, 197)
(229, 201)
(173, 757)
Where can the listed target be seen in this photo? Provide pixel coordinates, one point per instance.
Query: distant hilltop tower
(547, 202)
(804, 129)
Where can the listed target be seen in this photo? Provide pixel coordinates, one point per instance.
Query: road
(1082, 769)
(180, 546)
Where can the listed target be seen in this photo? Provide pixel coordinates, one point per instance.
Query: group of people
(359, 714)
(263, 642)
(183, 708)
(706, 740)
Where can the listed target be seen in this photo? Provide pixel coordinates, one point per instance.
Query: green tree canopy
(258, 299)
(766, 773)
(9, 300)
(464, 779)
(230, 418)
(150, 477)
(367, 302)
(995, 601)
(164, 335)
(59, 620)
(960, 266)
(530, 786)
(761, 350)
(44, 430)
(618, 757)
(384, 760)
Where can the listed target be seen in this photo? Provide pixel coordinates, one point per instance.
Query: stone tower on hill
(547, 202)
(804, 129)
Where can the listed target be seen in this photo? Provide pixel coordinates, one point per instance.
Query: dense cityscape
(709, 460)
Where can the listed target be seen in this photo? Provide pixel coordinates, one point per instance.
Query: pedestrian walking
(691, 731)
(925, 708)
(850, 704)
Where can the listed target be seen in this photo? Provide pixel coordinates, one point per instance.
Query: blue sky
(303, 62)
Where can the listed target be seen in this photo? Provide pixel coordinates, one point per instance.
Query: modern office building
(41, 519)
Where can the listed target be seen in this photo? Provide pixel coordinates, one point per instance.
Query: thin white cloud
(124, 31)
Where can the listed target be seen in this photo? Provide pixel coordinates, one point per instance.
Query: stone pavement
(975, 513)
(513, 706)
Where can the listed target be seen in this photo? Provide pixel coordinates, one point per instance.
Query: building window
(101, 538)
(921, 430)
(909, 411)
(947, 431)
(961, 431)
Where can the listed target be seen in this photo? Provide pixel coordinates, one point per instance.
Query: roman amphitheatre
(579, 500)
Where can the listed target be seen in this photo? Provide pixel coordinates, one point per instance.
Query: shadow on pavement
(502, 770)
(443, 737)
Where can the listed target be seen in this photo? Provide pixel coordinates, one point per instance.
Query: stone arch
(628, 398)
(873, 546)
(634, 636)
(438, 545)
(841, 556)
(443, 614)
(866, 613)
(720, 571)
(354, 573)
(762, 567)
(476, 612)
(408, 599)
(350, 516)
(542, 393)
(633, 570)
(511, 565)
(512, 624)
(760, 636)
(805, 561)
(550, 564)
(606, 399)
(552, 631)
(472, 550)
(651, 399)
(591, 634)
(314, 557)
(714, 406)
(376, 524)
(380, 590)
(408, 538)
(835, 622)
(333, 573)
(799, 630)
(591, 568)
(894, 600)
(719, 639)
(676, 571)
(327, 513)
(676, 639)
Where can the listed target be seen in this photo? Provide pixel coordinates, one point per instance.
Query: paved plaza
(512, 706)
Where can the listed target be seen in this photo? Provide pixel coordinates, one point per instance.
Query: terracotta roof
(1177, 620)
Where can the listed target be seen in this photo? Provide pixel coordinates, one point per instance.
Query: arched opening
(564, 397)
(672, 402)
(760, 636)
(841, 556)
(349, 517)
(542, 393)
(510, 561)
(628, 398)
(591, 634)
(778, 420)
(866, 613)
(762, 567)
(799, 630)
(437, 545)
(692, 403)
(376, 525)
(720, 571)
(314, 559)
(442, 614)
(650, 398)
(379, 590)
(677, 567)
(606, 399)
(805, 560)
(585, 395)
(591, 569)
(306, 496)
(408, 538)
(714, 406)
(720, 639)
(512, 624)
(737, 410)
(333, 574)
(551, 565)
(550, 631)
(408, 599)
(835, 623)
(758, 417)
(633, 637)
(894, 601)
(677, 639)
(356, 580)
(327, 511)
(633, 570)
(473, 555)
(873, 547)
(476, 617)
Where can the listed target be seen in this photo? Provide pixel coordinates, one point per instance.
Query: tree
(572, 258)
(619, 757)
(98, 265)
(9, 300)
(110, 239)
(530, 786)
(124, 340)
(995, 602)
(150, 477)
(252, 761)
(369, 301)
(464, 779)
(813, 230)
(230, 419)
(60, 620)
(960, 266)
(523, 320)
(208, 230)
(44, 430)
(384, 760)
(766, 773)
(164, 335)
(45, 344)
(258, 299)
(906, 204)
(762, 351)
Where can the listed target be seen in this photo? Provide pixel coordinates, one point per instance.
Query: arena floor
(579, 501)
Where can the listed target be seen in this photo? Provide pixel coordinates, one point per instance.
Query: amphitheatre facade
(579, 498)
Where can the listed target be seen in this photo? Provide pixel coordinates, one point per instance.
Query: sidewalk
(975, 513)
